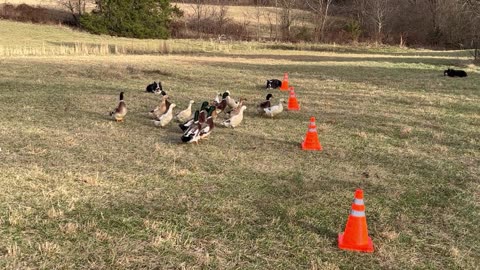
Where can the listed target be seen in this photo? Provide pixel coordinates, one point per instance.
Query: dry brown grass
(259, 20)
(49, 3)
(250, 14)
(246, 14)
(79, 190)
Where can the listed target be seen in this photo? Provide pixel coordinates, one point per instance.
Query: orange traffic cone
(311, 141)
(292, 100)
(355, 236)
(284, 82)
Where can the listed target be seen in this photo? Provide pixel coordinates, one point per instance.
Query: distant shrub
(354, 29)
(26, 13)
(135, 19)
(303, 34)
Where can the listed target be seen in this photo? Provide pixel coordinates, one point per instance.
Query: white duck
(274, 110)
(218, 98)
(236, 110)
(235, 120)
(230, 101)
(185, 114)
(166, 117)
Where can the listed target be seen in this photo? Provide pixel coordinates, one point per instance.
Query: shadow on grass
(446, 62)
(319, 230)
(365, 50)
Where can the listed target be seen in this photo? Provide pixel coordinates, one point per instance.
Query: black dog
(273, 84)
(454, 73)
(154, 88)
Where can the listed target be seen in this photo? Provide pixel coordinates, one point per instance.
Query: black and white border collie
(454, 73)
(154, 88)
(273, 84)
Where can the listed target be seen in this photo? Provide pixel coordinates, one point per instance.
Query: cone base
(284, 86)
(363, 248)
(314, 148)
(293, 109)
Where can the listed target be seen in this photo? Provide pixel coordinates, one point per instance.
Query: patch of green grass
(79, 190)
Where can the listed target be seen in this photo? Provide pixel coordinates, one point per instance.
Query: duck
(217, 98)
(120, 111)
(185, 114)
(265, 104)
(189, 122)
(236, 110)
(214, 113)
(274, 110)
(208, 125)
(191, 134)
(162, 107)
(235, 120)
(165, 118)
(231, 103)
(202, 126)
(185, 126)
(222, 105)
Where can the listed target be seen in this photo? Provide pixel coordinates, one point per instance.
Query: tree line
(435, 23)
(450, 24)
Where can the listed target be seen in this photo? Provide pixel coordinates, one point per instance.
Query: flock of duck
(199, 124)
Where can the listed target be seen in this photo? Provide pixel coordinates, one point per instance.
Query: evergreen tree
(131, 18)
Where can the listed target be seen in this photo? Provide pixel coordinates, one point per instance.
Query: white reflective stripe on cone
(358, 201)
(312, 130)
(357, 213)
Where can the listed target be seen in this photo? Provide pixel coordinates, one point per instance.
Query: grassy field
(81, 191)
(45, 40)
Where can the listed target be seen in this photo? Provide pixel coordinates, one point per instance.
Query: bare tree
(472, 10)
(473, 5)
(434, 8)
(220, 14)
(76, 7)
(203, 15)
(258, 15)
(319, 9)
(272, 24)
(376, 12)
(205, 19)
(286, 17)
(200, 11)
(359, 6)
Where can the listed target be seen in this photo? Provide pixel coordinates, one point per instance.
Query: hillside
(259, 22)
